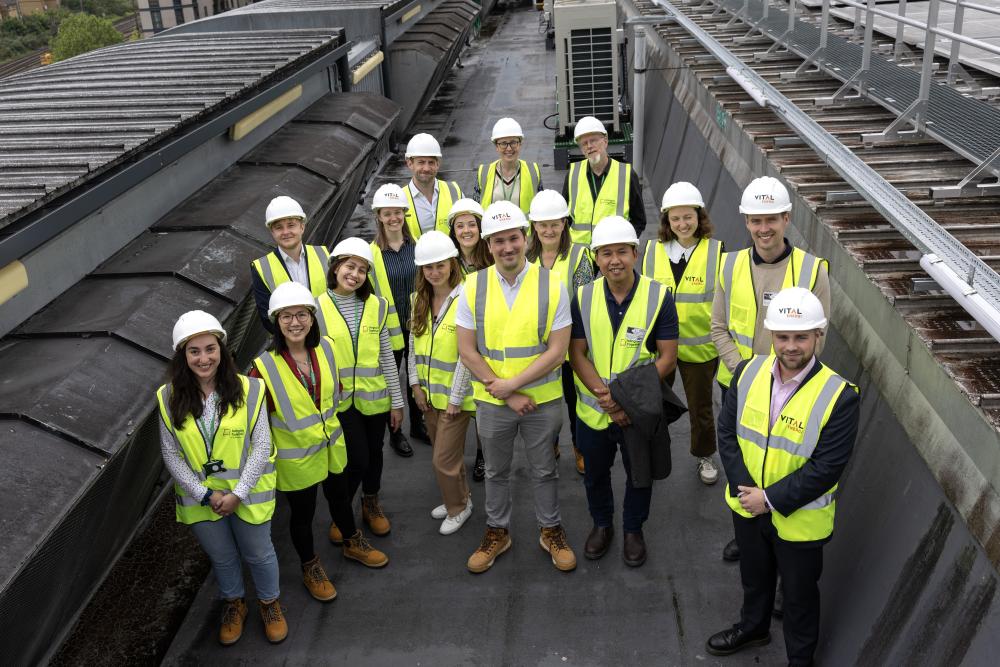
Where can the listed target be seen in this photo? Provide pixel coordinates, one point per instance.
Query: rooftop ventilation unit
(588, 68)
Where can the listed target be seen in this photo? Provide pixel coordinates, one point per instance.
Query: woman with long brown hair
(687, 259)
(441, 385)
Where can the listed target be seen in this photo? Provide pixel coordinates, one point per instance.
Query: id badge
(766, 299)
(213, 467)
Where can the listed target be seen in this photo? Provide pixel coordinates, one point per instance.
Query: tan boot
(316, 581)
(495, 542)
(360, 549)
(275, 626)
(335, 535)
(234, 612)
(579, 461)
(371, 512)
(553, 540)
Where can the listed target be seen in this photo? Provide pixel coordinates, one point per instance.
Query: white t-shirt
(426, 210)
(465, 318)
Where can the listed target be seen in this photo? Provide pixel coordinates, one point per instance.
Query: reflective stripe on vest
(530, 176)
(448, 193)
(771, 453)
(436, 355)
(231, 445)
(310, 442)
(273, 272)
(602, 342)
(693, 297)
(510, 339)
(741, 299)
(360, 374)
(566, 265)
(586, 213)
(380, 283)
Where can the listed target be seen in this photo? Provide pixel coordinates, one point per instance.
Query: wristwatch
(207, 497)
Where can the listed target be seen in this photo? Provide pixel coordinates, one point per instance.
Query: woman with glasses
(509, 178)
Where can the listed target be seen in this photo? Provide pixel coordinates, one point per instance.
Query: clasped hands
(752, 500)
(223, 503)
(506, 390)
(615, 411)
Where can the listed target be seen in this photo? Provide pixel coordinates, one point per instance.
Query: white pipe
(968, 297)
(639, 99)
(747, 85)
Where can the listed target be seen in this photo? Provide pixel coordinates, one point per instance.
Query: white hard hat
(433, 246)
(465, 205)
(194, 323)
(501, 216)
(423, 145)
(506, 127)
(794, 309)
(389, 195)
(283, 207)
(548, 205)
(681, 194)
(588, 125)
(764, 196)
(290, 294)
(613, 229)
(355, 247)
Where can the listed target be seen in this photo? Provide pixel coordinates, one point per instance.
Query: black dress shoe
(733, 639)
(598, 542)
(400, 444)
(731, 551)
(634, 550)
(479, 469)
(419, 432)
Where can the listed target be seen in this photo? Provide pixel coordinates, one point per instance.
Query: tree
(80, 33)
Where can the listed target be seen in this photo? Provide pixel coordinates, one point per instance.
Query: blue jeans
(599, 449)
(225, 541)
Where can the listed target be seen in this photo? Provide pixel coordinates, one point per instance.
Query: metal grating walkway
(964, 124)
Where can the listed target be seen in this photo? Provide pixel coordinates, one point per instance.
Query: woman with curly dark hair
(687, 259)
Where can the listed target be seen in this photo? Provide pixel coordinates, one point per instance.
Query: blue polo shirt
(664, 328)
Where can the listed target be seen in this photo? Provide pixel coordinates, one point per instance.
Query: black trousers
(415, 415)
(364, 436)
(763, 555)
(302, 504)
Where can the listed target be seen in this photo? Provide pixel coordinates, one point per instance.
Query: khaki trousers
(448, 440)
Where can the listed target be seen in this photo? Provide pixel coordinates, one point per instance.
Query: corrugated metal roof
(65, 123)
(271, 5)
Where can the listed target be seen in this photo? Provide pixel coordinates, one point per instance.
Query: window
(154, 15)
(178, 12)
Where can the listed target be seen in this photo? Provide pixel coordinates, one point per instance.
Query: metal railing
(958, 270)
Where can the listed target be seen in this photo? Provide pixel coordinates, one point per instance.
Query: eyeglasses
(303, 317)
(507, 145)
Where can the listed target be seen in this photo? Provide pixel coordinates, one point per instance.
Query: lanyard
(308, 381)
(505, 192)
(208, 424)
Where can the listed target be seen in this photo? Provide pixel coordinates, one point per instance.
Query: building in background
(158, 15)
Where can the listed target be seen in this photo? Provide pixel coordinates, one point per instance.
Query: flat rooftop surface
(425, 608)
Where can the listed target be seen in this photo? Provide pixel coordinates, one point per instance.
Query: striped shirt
(401, 271)
(350, 308)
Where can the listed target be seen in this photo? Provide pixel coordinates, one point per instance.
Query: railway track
(34, 59)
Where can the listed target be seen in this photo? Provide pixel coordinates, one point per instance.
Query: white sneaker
(453, 523)
(439, 512)
(707, 471)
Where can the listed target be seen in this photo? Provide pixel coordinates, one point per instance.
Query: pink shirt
(782, 391)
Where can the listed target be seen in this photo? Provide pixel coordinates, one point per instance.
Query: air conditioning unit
(587, 64)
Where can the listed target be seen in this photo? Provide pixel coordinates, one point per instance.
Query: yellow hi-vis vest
(693, 297)
(436, 354)
(231, 445)
(380, 282)
(741, 302)
(274, 273)
(613, 353)
(565, 266)
(772, 453)
(530, 177)
(611, 200)
(448, 193)
(310, 442)
(510, 339)
(360, 374)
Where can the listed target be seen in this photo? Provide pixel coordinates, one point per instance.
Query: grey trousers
(498, 425)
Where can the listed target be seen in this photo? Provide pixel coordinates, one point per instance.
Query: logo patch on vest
(448, 328)
(370, 330)
(633, 337)
(233, 432)
(792, 424)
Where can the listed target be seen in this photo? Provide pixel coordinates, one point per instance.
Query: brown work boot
(495, 542)
(234, 612)
(373, 515)
(554, 541)
(275, 626)
(335, 535)
(316, 581)
(579, 460)
(360, 549)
